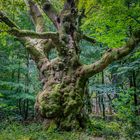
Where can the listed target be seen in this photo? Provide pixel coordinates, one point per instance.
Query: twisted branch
(110, 56)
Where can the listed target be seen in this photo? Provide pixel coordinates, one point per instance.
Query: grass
(97, 130)
(35, 131)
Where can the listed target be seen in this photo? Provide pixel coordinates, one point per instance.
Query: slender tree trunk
(135, 93)
(102, 98)
(25, 108)
(96, 105)
(99, 102)
(18, 90)
(110, 104)
(87, 98)
(26, 101)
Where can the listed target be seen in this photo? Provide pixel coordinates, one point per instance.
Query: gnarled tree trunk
(63, 87)
(62, 97)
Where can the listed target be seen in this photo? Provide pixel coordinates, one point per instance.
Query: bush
(126, 113)
(98, 127)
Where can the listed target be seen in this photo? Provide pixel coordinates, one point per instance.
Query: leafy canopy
(111, 21)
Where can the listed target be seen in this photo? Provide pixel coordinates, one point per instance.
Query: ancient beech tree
(63, 78)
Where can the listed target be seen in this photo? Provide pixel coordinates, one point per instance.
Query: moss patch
(50, 102)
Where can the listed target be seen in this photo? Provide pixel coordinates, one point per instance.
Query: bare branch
(50, 11)
(23, 37)
(31, 34)
(110, 56)
(25, 33)
(36, 15)
(7, 21)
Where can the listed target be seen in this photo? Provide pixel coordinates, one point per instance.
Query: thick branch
(36, 15)
(35, 51)
(26, 33)
(110, 56)
(23, 37)
(50, 11)
(40, 43)
(7, 21)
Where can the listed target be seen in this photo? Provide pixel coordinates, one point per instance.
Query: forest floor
(98, 129)
(35, 131)
(17, 131)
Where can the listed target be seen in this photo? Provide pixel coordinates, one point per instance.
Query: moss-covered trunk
(61, 100)
(63, 87)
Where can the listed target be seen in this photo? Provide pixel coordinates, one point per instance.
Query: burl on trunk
(61, 100)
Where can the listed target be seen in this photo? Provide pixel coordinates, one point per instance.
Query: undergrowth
(97, 129)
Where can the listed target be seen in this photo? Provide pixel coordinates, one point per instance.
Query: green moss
(56, 87)
(70, 123)
(70, 103)
(50, 103)
(70, 106)
(52, 127)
